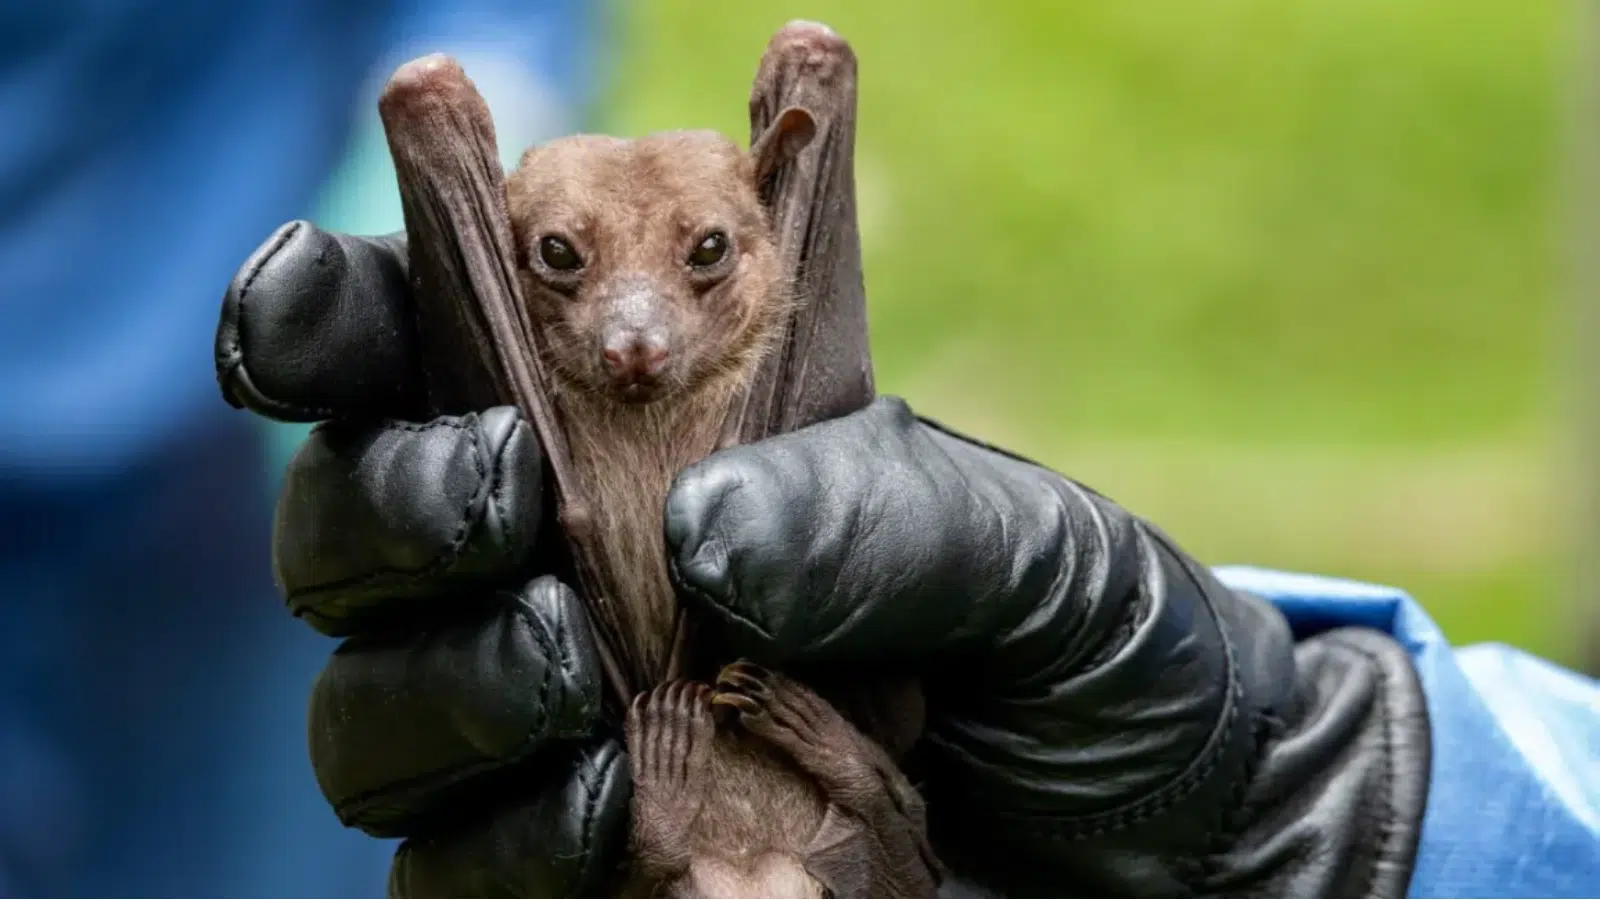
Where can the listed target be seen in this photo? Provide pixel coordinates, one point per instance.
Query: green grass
(1282, 276)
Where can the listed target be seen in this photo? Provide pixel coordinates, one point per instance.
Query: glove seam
(1380, 853)
(591, 802)
(233, 343)
(541, 718)
(497, 474)
(554, 648)
(451, 552)
(1210, 866)
(1012, 455)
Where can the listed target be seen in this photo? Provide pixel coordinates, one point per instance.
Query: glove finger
(383, 519)
(317, 325)
(403, 724)
(568, 841)
(869, 536)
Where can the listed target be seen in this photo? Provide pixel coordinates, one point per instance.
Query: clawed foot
(794, 719)
(770, 705)
(873, 842)
(670, 731)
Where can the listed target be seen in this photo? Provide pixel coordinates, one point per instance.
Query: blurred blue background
(1301, 283)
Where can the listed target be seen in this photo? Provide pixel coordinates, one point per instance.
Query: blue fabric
(153, 692)
(152, 688)
(1514, 804)
(148, 148)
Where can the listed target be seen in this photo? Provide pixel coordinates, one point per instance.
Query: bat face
(648, 265)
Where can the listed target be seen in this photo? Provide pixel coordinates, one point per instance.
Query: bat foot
(873, 839)
(795, 720)
(670, 733)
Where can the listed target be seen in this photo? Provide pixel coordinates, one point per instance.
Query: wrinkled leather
(563, 842)
(317, 325)
(1103, 712)
(1342, 781)
(1105, 718)
(370, 516)
(391, 739)
(462, 710)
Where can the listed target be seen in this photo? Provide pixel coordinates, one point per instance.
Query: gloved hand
(461, 712)
(1104, 716)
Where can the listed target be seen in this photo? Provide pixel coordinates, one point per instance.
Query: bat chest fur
(750, 838)
(626, 456)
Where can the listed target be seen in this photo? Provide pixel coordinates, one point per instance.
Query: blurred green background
(1283, 277)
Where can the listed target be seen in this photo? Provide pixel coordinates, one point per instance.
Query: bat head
(649, 265)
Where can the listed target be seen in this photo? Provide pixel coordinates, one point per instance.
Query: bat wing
(479, 347)
(823, 368)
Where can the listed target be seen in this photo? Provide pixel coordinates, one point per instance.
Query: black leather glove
(462, 710)
(1105, 718)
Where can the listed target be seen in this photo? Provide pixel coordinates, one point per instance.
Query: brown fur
(632, 210)
(783, 798)
(734, 810)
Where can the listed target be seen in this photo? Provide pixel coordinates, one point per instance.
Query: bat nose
(635, 359)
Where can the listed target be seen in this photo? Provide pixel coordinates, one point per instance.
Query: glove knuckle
(374, 520)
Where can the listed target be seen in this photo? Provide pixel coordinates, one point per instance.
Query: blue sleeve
(1514, 800)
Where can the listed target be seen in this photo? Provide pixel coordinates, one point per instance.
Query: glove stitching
(1211, 755)
(233, 346)
(1268, 726)
(588, 783)
(565, 657)
(255, 271)
(1009, 454)
(454, 423)
(497, 498)
(1236, 815)
(542, 717)
(448, 555)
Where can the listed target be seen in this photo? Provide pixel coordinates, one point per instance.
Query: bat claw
(739, 703)
(745, 671)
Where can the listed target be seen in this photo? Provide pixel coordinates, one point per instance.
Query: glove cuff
(1161, 734)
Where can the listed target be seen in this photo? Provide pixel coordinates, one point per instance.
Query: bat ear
(783, 140)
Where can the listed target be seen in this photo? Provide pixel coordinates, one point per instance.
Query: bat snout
(635, 362)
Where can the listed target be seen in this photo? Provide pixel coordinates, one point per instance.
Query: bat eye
(710, 251)
(558, 254)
